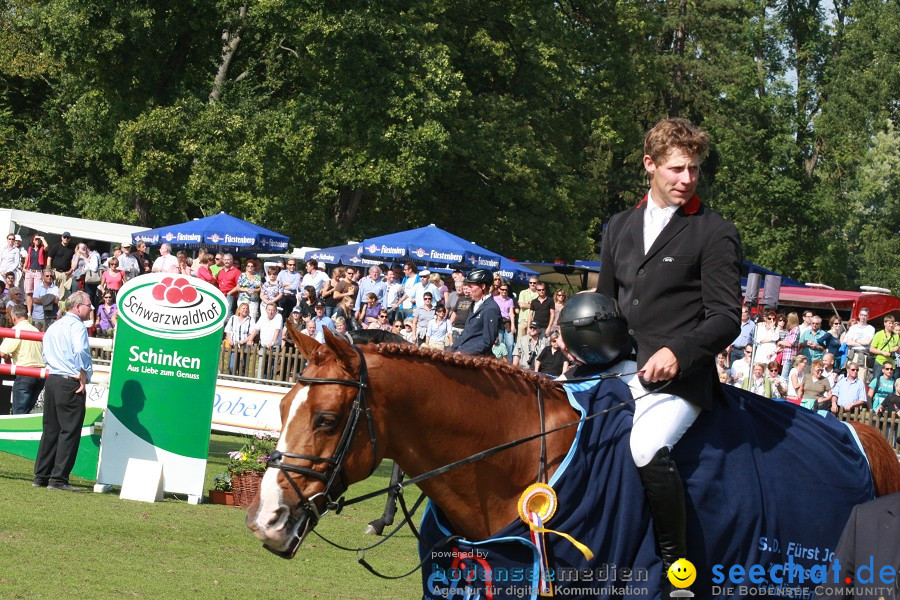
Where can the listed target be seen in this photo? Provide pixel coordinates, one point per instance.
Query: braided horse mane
(480, 363)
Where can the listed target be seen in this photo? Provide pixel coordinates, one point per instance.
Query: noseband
(333, 477)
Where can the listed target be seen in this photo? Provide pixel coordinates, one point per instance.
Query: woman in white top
(766, 339)
(795, 379)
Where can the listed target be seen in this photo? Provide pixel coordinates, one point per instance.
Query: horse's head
(321, 449)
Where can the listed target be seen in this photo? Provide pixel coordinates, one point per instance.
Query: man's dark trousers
(63, 419)
(25, 393)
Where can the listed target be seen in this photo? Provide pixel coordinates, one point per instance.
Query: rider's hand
(662, 366)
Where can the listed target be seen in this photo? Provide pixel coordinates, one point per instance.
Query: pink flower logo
(175, 291)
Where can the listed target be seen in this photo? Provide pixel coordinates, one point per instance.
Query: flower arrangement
(222, 482)
(253, 456)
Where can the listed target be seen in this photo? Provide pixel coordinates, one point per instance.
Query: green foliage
(517, 125)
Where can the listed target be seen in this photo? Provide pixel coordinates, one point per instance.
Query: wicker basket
(245, 487)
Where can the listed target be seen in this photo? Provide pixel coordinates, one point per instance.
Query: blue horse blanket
(769, 488)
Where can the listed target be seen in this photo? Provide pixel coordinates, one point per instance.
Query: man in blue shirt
(812, 341)
(850, 391)
(290, 280)
(68, 358)
(320, 319)
(748, 328)
(46, 296)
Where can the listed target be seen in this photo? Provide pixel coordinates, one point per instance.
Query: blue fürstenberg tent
(221, 232)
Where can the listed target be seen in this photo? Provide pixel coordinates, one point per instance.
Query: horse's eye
(326, 421)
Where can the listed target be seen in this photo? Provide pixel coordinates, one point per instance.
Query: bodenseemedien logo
(172, 307)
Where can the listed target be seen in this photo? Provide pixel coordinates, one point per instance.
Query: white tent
(15, 221)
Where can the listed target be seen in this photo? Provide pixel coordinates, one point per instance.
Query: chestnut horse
(357, 405)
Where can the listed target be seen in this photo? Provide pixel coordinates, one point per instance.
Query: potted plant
(221, 492)
(247, 465)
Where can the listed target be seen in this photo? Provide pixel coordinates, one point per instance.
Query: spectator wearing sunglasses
(850, 391)
(882, 386)
(107, 313)
(438, 335)
(779, 383)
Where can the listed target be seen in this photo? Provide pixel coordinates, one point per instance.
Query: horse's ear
(306, 344)
(342, 349)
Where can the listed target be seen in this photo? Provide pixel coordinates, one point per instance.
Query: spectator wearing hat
(295, 320)
(128, 262)
(425, 285)
(320, 319)
(483, 322)
(60, 256)
(528, 347)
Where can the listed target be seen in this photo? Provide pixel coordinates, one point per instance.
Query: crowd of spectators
(776, 355)
(780, 356)
(422, 307)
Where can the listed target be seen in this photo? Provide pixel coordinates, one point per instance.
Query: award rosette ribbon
(536, 506)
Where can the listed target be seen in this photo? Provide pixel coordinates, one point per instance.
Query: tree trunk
(346, 206)
(230, 42)
(142, 209)
(678, 52)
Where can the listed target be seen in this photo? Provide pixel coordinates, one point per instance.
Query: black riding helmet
(480, 276)
(593, 330)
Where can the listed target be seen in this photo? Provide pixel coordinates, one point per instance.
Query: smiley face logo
(682, 573)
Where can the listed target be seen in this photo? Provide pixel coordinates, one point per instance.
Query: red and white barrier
(37, 336)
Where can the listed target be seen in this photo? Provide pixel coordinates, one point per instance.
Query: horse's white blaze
(272, 515)
(297, 402)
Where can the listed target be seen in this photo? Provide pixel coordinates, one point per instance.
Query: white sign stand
(143, 481)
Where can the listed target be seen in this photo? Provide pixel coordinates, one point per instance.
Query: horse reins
(334, 465)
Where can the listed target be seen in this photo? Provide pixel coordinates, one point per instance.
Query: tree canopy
(515, 124)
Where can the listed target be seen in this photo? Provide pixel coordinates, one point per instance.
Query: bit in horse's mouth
(302, 528)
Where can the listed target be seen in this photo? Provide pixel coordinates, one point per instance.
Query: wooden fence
(886, 424)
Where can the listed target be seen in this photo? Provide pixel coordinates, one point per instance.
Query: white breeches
(659, 419)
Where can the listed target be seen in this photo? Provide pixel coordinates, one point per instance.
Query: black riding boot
(665, 496)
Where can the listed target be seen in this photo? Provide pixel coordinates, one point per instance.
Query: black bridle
(333, 477)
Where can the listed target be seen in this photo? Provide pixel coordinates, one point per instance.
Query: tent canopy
(352, 255)
(431, 245)
(347, 254)
(439, 249)
(221, 231)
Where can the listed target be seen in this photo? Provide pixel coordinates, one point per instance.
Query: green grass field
(64, 545)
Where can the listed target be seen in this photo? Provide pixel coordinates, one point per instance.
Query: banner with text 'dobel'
(163, 379)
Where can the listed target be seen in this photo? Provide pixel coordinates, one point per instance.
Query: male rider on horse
(673, 266)
(483, 321)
